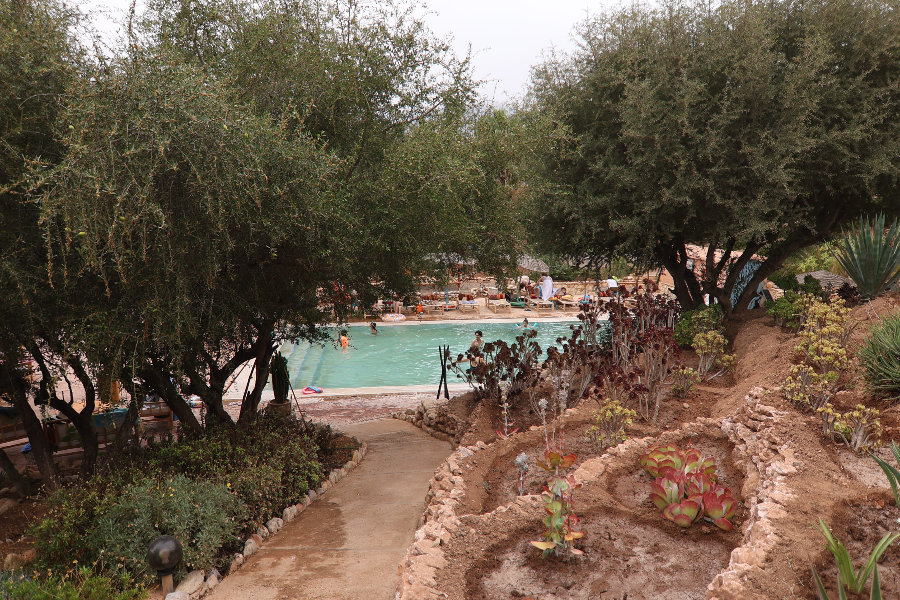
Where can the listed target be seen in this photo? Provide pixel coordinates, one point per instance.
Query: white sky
(507, 36)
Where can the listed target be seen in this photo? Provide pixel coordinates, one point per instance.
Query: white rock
(191, 583)
(212, 580)
(250, 548)
(289, 514)
(262, 532)
(176, 595)
(274, 524)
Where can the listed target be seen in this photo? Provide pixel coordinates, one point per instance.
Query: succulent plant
(686, 487)
(683, 513)
(720, 507)
(665, 491)
(659, 457)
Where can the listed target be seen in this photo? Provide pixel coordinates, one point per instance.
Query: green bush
(880, 357)
(697, 321)
(80, 585)
(266, 467)
(202, 515)
(870, 254)
(787, 310)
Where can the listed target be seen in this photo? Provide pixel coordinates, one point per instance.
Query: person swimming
(345, 341)
(525, 325)
(478, 342)
(373, 328)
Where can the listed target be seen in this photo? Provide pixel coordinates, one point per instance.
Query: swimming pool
(399, 355)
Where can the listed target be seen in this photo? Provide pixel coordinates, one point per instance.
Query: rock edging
(429, 417)
(198, 583)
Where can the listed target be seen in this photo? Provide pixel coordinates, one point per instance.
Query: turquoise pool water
(398, 355)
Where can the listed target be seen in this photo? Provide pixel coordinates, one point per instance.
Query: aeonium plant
(686, 488)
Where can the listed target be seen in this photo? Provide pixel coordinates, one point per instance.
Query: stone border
(423, 418)
(757, 453)
(197, 584)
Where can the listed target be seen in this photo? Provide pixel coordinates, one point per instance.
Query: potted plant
(280, 384)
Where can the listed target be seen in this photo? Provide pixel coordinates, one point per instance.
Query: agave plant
(870, 255)
(880, 357)
(848, 576)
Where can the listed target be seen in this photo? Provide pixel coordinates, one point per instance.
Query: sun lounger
(569, 305)
(498, 306)
(465, 307)
(11, 429)
(542, 306)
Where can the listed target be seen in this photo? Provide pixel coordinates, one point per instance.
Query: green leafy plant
(847, 574)
(266, 467)
(81, 584)
(893, 475)
(870, 255)
(685, 488)
(858, 429)
(610, 423)
(203, 516)
(697, 321)
(710, 346)
(787, 310)
(880, 357)
(561, 520)
(683, 380)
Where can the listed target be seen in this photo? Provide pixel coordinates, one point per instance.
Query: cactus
(280, 377)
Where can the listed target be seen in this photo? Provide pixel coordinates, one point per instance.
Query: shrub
(609, 424)
(710, 346)
(697, 321)
(266, 467)
(870, 255)
(811, 286)
(787, 310)
(848, 576)
(880, 357)
(684, 378)
(855, 428)
(561, 519)
(202, 515)
(78, 585)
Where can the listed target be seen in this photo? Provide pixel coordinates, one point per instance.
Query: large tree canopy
(758, 128)
(236, 169)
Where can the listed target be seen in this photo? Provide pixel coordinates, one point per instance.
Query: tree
(236, 170)
(748, 127)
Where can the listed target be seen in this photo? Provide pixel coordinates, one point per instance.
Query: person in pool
(478, 342)
(524, 325)
(372, 328)
(345, 341)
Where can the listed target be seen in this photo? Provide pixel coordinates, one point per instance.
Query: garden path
(347, 545)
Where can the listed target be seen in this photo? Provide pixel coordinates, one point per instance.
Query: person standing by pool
(547, 287)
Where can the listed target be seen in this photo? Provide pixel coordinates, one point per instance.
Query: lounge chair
(497, 306)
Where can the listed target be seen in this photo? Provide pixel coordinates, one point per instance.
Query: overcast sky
(507, 36)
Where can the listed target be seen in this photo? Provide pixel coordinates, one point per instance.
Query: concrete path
(346, 545)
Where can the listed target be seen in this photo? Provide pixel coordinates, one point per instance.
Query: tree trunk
(159, 378)
(265, 348)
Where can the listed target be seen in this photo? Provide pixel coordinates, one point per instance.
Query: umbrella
(530, 263)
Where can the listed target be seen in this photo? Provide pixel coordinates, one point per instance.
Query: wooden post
(168, 585)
